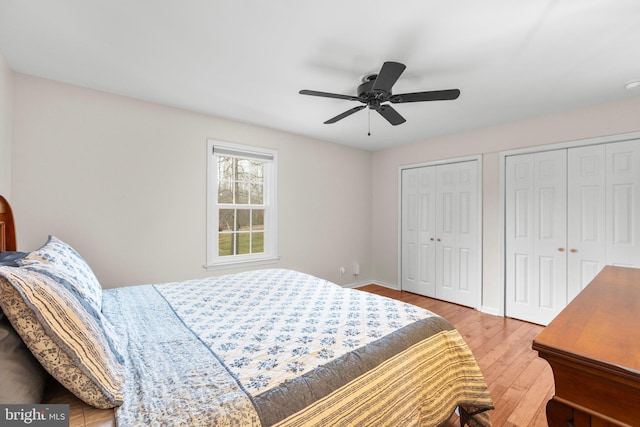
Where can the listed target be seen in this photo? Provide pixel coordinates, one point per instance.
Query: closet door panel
(550, 227)
(623, 204)
(426, 227)
(446, 231)
(521, 279)
(468, 235)
(586, 177)
(418, 231)
(519, 214)
(446, 273)
(457, 276)
(409, 247)
(547, 281)
(536, 235)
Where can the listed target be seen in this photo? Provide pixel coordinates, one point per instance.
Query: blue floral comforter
(250, 348)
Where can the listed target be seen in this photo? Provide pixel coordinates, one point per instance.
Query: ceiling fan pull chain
(369, 131)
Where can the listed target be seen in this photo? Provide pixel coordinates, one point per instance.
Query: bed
(259, 348)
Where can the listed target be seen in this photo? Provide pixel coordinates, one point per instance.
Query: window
(241, 204)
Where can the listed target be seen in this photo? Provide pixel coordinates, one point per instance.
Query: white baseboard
(370, 282)
(385, 284)
(356, 284)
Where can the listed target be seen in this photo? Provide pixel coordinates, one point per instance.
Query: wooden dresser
(593, 347)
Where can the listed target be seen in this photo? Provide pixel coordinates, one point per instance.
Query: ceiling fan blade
(388, 75)
(345, 114)
(434, 95)
(328, 95)
(392, 116)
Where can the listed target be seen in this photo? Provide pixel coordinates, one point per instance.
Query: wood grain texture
(7, 227)
(519, 381)
(80, 414)
(593, 347)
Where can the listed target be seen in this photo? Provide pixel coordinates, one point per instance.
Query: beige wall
(124, 182)
(605, 119)
(6, 105)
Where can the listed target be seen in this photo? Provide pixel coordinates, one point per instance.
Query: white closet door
(409, 227)
(536, 235)
(440, 244)
(586, 216)
(601, 214)
(519, 234)
(418, 230)
(427, 230)
(457, 233)
(623, 204)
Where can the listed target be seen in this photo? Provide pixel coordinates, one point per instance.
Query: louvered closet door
(536, 235)
(457, 233)
(418, 231)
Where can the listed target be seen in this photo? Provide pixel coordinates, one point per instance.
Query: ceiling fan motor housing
(372, 97)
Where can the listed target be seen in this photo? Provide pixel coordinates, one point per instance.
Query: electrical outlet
(342, 271)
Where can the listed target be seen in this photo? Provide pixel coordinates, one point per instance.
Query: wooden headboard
(7, 227)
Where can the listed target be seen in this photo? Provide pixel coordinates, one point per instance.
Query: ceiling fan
(375, 90)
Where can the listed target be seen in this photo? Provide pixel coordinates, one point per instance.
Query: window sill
(241, 263)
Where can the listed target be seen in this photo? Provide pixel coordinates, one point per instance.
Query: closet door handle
(439, 239)
(560, 249)
(432, 239)
(573, 250)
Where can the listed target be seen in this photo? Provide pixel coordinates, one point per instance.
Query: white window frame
(270, 158)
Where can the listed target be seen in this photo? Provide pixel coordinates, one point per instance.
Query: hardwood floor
(519, 381)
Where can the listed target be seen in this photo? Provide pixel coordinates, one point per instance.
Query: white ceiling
(247, 59)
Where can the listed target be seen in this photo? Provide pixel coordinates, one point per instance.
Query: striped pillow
(62, 256)
(69, 283)
(68, 341)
